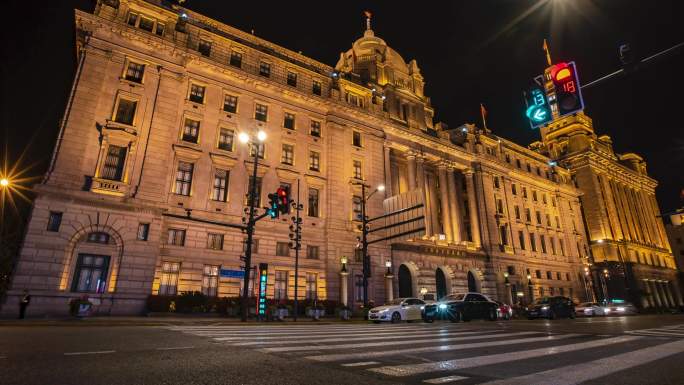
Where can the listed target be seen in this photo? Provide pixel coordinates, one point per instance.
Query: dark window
(215, 241)
(261, 112)
(558, 276)
(146, 24)
(236, 59)
(542, 241)
(176, 237)
(255, 245)
(289, 121)
(316, 88)
(282, 249)
(356, 139)
(204, 47)
(230, 103)
(114, 163)
(567, 276)
(496, 182)
(511, 270)
(524, 189)
(521, 239)
(358, 255)
(191, 130)
(218, 192)
(54, 221)
(499, 206)
(548, 275)
(125, 111)
(98, 237)
(538, 215)
(292, 79)
(315, 128)
(508, 158)
(183, 178)
(143, 231)
(533, 243)
(528, 216)
(132, 19)
(537, 273)
(197, 93)
(265, 69)
(313, 202)
(514, 189)
(288, 154)
(312, 252)
(538, 171)
(517, 163)
(160, 29)
(358, 287)
(517, 212)
(314, 161)
(529, 168)
(134, 72)
(226, 137)
(90, 275)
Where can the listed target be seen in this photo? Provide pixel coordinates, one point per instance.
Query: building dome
(370, 48)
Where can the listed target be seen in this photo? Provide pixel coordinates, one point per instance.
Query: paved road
(625, 350)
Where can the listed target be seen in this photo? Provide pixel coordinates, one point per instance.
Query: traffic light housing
(567, 88)
(273, 206)
(538, 108)
(283, 200)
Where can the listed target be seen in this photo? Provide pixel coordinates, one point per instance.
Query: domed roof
(368, 45)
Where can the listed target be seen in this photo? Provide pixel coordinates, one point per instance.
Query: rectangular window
(261, 112)
(260, 148)
(282, 249)
(497, 183)
(215, 241)
(538, 216)
(265, 69)
(562, 247)
(289, 121)
(517, 163)
(542, 242)
(499, 206)
(287, 155)
(160, 29)
(146, 24)
(143, 231)
(235, 59)
(356, 208)
(312, 252)
(90, 275)
(255, 245)
(291, 79)
(316, 88)
(184, 178)
(521, 239)
(517, 212)
(533, 243)
(315, 128)
(524, 191)
(257, 201)
(54, 221)
(226, 138)
(314, 161)
(356, 139)
(197, 93)
(537, 273)
(357, 169)
(534, 195)
(191, 130)
(552, 242)
(514, 189)
(548, 220)
(134, 72)
(548, 275)
(558, 276)
(204, 47)
(114, 163)
(230, 103)
(567, 276)
(557, 222)
(210, 280)
(503, 234)
(125, 111)
(168, 283)
(528, 215)
(176, 237)
(132, 18)
(218, 192)
(281, 284)
(311, 286)
(544, 198)
(358, 255)
(312, 209)
(358, 287)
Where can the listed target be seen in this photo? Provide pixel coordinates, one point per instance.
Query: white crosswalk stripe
(419, 353)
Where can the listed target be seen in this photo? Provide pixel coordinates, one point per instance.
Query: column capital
(468, 172)
(411, 154)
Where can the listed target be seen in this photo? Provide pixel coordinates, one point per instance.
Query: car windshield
(454, 297)
(541, 301)
(396, 301)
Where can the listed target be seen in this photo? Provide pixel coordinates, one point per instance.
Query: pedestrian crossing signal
(273, 206)
(538, 109)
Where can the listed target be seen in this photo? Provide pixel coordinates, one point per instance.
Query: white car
(399, 309)
(588, 309)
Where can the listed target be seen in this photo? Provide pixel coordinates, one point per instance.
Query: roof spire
(368, 20)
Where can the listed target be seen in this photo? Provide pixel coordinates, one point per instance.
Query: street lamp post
(388, 281)
(364, 237)
(529, 287)
(508, 288)
(245, 138)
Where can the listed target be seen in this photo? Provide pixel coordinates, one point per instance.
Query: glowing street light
(4, 182)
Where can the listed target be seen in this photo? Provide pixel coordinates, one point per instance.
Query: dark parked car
(551, 308)
(462, 307)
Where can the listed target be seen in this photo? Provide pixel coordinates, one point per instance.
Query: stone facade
(674, 227)
(149, 133)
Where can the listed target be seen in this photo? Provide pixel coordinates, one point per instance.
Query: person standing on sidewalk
(23, 304)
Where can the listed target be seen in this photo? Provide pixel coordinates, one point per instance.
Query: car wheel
(492, 315)
(552, 315)
(573, 315)
(396, 317)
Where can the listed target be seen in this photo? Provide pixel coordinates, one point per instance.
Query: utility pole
(364, 245)
(296, 244)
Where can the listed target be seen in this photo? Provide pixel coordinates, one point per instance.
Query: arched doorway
(405, 282)
(440, 282)
(472, 283)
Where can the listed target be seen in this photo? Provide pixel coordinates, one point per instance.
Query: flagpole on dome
(368, 19)
(483, 111)
(545, 47)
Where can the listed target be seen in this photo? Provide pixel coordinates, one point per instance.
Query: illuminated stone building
(674, 227)
(632, 258)
(158, 99)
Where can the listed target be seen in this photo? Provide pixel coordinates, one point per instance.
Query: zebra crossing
(454, 353)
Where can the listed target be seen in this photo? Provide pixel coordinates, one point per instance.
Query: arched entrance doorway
(440, 282)
(405, 282)
(472, 283)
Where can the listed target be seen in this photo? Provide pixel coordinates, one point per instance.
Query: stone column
(658, 221)
(629, 212)
(645, 217)
(411, 162)
(389, 288)
(667, 293)
(620, 211)
(612, 211)
(674, 288)
(420, 183)
(645, 300)
(472, 207)
(650, 218)
(388, 171)
(344, 292)
(636, 213)
(656, 294)
(453, 206)
(434, 209)
(444, 197)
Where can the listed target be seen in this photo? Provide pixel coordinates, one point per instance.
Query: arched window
(98, 237)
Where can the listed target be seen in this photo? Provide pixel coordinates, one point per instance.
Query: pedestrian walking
(23, 304)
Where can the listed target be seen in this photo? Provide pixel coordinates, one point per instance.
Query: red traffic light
(561, 73)
(283, 200)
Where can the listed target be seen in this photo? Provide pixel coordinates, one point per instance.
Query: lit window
(226, 137)
(176, 237)
(292, 79)
(91, 273)
(313, 202)
(311, 286)
(289, 121)
(114, 163)
(218, 192)
(314, 161)
(125, 111)
(260, 148)
(261, 112)
(210, 280)
(197, 93)
(168, 282)
(98, 237)
(265, 69)
(288, 154)
(134, 72)
(191, 130)
(230, 103)
(315, 128)
(215, 241)
(357, 169)
(183, 178)
(280, 284)
(204, 47)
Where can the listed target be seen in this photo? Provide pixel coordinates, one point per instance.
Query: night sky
(470, 52)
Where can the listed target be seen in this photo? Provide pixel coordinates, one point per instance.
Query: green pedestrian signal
(538, 111)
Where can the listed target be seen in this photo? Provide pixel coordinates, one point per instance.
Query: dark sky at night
(466, 53)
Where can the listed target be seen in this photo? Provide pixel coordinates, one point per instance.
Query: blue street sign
(225, 273)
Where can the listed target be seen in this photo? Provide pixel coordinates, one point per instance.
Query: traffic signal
(273, 206)
(263, 281)
(567, 88)
(283, 200)
(538, 109)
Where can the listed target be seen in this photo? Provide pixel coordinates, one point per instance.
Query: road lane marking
(365, 363)
(350, 337)
(470, 362)
(655, 332)
(439, 348)
(176, 348)
(444, 380)
(273, 336)
(575, 374)
(373, 344)
(86, 353)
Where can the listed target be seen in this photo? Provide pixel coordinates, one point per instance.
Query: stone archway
(473, 283)
(405, 282)
(440, 283)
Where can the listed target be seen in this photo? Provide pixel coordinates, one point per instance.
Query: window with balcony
(114, 163)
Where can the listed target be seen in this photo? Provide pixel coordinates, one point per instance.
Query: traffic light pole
(296, 237)
(364, 245)
(250, 236)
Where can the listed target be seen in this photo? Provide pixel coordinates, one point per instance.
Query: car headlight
(620, 308)
(545, 308)
(606, 310)
(442, 306)
(422, 308)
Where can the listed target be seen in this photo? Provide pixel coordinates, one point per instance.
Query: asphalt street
(602, 350)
